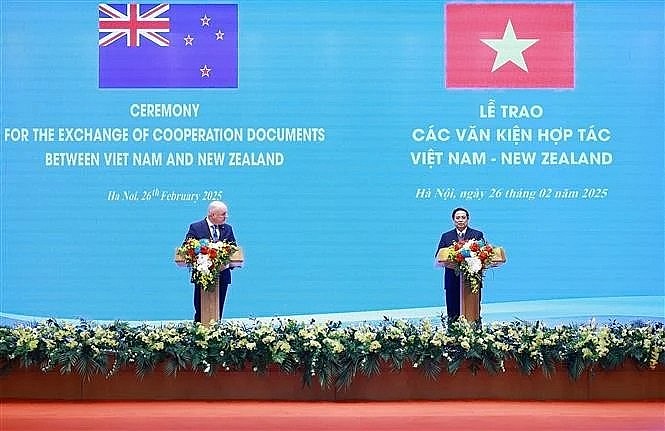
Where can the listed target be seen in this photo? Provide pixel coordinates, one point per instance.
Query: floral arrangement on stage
(206, 259)
(330, 352)
(470, 259)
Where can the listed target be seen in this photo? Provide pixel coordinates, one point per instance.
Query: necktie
(215, 233)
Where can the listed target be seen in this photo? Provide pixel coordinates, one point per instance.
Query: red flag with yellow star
(503, 45)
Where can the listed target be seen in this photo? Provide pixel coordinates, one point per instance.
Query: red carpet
(314, 416)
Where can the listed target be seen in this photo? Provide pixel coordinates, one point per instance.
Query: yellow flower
(374, 346)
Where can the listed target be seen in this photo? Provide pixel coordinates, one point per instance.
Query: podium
(210, 298)
(469, 301)
(210, 304)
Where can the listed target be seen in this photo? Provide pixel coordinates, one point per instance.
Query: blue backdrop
(348, 219)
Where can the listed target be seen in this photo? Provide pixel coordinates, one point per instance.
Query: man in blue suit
(462, 232)
(214, 228)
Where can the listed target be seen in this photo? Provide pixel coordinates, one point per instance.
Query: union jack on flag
(168, 45)
(133, 24)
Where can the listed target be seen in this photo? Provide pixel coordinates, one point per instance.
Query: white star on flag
(509, 48)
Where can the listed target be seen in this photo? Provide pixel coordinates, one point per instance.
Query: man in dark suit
(214, 228)
(462, 232)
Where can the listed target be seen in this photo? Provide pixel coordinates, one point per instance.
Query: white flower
(203, 263)
(475, 265)
(314, 344)
(282, 346)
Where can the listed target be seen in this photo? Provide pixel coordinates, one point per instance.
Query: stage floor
(314, 416)
(550, 312)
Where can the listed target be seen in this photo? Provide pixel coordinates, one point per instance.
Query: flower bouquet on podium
(470, 259)
(206, 259)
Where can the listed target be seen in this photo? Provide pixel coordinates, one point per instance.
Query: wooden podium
(469, 301)
(210, 298)
(210, 304)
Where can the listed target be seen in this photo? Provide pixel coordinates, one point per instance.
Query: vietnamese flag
(502, 45)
